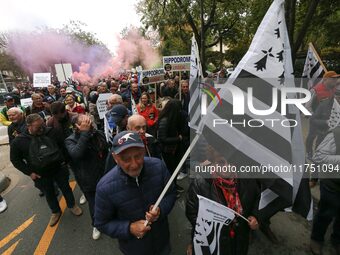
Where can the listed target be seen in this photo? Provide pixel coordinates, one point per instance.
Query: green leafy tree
(180, 18)
(234, 23)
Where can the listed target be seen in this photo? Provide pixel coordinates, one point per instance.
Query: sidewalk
(4, 158)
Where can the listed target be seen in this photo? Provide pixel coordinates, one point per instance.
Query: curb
(4, 182)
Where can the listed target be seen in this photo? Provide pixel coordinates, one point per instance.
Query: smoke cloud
(39, 51)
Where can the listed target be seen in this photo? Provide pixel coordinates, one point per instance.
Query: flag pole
(173, 176)
(317, 56)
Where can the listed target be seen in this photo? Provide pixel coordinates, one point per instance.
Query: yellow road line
(48, 235)
(16, 232)
(10, 250)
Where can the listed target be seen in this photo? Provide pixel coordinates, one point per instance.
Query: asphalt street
(24, 225)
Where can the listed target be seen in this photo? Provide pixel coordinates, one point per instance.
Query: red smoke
(39, 51)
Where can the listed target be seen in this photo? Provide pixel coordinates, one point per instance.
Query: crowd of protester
(122, 161)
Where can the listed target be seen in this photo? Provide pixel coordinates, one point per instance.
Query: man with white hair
(113, 100)
(18, 125)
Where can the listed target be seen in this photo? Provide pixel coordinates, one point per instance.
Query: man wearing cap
(9, 103)
(137, 123)
(15, 93)
(115, 121)
(322, 93)
(125, 197)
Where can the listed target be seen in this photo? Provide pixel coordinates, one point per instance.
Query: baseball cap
(48, 99)
(8, 97)
(118, 112)
(125, 140)
(69, 90)
(331, 74)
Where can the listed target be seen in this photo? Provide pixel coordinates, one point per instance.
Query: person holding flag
(125, 199)
(240, 195)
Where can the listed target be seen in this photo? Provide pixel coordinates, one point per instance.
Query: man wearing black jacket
(44, 178)
(327, 154)
(87, 149)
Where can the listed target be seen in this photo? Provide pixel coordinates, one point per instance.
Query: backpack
(44, 152)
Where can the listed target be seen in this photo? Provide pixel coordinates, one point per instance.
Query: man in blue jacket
(125, 198)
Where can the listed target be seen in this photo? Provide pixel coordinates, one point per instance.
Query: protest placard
(176, 63)
(41, 79)
(63, 71)
(101, 104)
(26, 102)
(152, 76)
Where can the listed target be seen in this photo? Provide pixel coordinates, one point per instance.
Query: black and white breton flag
(211, 218)
(266, 65)
(313, 69)
(194, 86)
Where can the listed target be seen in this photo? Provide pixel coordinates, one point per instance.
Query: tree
(234, 23)
(7, 62)
(77, 30)
(183, 17)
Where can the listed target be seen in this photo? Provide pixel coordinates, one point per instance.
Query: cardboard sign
(63, 71)
(152, 76)
(41, 79)
(26, 102)
(176, 63)
(101, 104)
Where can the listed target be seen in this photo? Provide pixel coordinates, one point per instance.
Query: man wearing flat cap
(115, 121)
(125, 197)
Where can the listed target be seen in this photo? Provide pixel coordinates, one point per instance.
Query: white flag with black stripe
(211, 218)
(313, 69)
(194, 86)
(334, 118)
(250, 139)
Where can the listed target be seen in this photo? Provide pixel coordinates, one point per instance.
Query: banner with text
(41, 79)
(152, 76)
(101, 104)
(176, 63)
